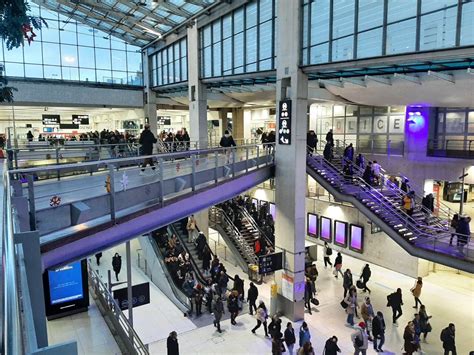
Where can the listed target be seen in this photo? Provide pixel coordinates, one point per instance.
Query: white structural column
(290, 172)
(149, 104)
(196, 92)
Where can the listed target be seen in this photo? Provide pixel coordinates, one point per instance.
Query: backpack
(358, 342)
(389, 300)
(329, 251)
(443, 336)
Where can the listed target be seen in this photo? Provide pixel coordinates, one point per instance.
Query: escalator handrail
(237, 236)
(178, 293)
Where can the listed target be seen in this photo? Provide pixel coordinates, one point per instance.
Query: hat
(362, 325)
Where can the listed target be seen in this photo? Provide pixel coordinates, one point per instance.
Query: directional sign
(270, 263)
(284, 122)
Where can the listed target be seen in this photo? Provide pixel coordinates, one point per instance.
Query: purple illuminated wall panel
(312, 223)
(325, 229)
(357, 238)
(340, 233)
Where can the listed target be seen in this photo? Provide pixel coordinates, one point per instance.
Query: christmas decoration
(124, 181)
(55, 201)
(25, 29)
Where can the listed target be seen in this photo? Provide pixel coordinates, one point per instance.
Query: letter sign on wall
(284, 122)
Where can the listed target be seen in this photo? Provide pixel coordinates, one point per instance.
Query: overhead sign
(80, 119)
(49, 120)
(284, 122)
(270, 263)
(164, 120)
(140, 295)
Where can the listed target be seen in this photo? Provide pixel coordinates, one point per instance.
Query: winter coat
(361, 334)
(408, 338)
(347, 282)
(378, 326)
(252, 293)
(290, 336)
(218, 310)
(366, 273)
(366, 311)
(227, 141)
(304, 336)
(117, 263)
(147, 139)
(331, 348)
(416, 290)
(172, 346)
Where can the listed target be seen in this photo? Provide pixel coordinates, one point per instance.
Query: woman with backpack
(261, 314)
(327, 254)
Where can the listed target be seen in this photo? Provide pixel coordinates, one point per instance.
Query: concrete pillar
(291, 165)
(197, 92)
(223, 117)
(149, 104)
(238, 123)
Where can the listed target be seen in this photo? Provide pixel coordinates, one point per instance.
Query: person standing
(327, 152)
(147, 139)
(376, 169)
(218, 312)
(395, 301)
(239, 287)
(448, 338)
(97, 258)
(29, 136)
(360, 340)
(252, 295)
(409, 345)
(338, 265)
(365, 276)
(311, 141)
(227, 141)
(290, 338)
(191, 228)
(233, 306)
(261, 315)
(330, 138)
(327, 254)
(305, 335)
(347, 281)
(367, 313)
(331, 347)
(424, 322)
(454, 226)
(198, 296)
(117, 264)
(378, 331)
(463, 231)
(416, 291)
(349, 152)
(277, 345)
(308, 294)
(206, 260)
(351, 309)
(360, 161)
(172, 344)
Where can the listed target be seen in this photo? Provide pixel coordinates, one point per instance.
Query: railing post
(388, 147)
(372, 146)
(233, 160)
(112, 192)
(246, 159)
(216, 161)
(258, 155)
(57, 163)
(162, 192)
(193, 173)
(31, 201)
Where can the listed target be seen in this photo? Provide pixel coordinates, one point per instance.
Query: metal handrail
(101, 290)
(12, 329)
(383, 202)
(255, 225)
(178, 293)
(219, 213)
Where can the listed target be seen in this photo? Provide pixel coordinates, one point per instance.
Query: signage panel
(80, 119)
(284, 122)
(140, 295)
(49, 120)
(270, 263)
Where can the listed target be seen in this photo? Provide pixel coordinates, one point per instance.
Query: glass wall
(369, 129)
(335, 30)
(243, 41)
(170, 65)
(454, 129)
(68, 50)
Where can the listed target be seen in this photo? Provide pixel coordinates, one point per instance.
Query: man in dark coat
(172, 344)
(378, 330)
(347, 281)
(330, 138)
(311, 141)
(366, 273)
(117, 264)
(448, 339)
(147, 139)
(252, 295)
(395, 301)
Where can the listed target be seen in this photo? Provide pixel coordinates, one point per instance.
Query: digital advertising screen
(273, 210)
(312, 225)
(357, 238)
(340, 233)
(325, 230)
(65, 283)
(66, 289)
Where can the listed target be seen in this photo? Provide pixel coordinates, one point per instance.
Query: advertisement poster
(65, 283)
(287, 286)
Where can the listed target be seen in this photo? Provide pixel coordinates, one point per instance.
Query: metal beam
(223, 97)
(353, 81)
(173, 9)
(145, 11)
(442, 76)
(410, 78)
(379, 79)
(337, 83)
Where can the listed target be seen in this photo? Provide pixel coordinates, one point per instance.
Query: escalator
(420, 235)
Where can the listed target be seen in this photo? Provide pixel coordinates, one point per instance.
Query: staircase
(422, 235)
(240, 245)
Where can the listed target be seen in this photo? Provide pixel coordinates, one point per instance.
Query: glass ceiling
(137, 22)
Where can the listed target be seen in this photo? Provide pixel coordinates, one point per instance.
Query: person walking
(396, 302)
(409, 341)
(233, 306)
(454, 226)
(416, 291)
(360, 161)
(117, 264)
(252, 295)
(448, 337)
(365, 276)
(277, 345)
(351, 309)
(261, 315)
(330, 138)
(227, 141)
(463, 232)
(30, 136)
(378, 331)
(239, 287)
(367, 313)
(349, 153)
(327, 254)
(290, 338)
(424, 322)
(206, 260)
(172, 344)
(304, 335)
(97, 258)
(311, 141)
(360, 340)
(147, 139)
(331, 347)
(327, 152)
(308, 294)
(306, 349)
(347, 281)
(191, 228)
(218, 312)
(338, 265)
